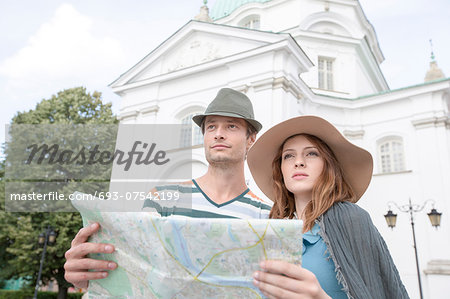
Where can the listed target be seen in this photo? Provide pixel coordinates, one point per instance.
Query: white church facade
(314, 57)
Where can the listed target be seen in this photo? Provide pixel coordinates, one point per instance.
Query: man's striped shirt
(193, 202)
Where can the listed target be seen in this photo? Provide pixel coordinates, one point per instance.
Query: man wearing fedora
(229, 130)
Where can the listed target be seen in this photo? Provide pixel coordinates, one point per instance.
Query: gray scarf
(363, 263)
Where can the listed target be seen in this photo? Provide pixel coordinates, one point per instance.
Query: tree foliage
(74, 106)
(19, 252)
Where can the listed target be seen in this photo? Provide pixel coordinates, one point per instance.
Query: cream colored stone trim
(354, 134)
(423, 123)
(438, 267)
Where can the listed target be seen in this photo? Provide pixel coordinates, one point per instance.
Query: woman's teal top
(316, 259)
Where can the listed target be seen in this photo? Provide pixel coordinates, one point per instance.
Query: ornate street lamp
(435, 218)
(44, 239)
(391, 219)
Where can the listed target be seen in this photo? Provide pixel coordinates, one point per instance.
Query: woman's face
(301, 166)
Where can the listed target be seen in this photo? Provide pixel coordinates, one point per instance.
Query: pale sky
(49, 45)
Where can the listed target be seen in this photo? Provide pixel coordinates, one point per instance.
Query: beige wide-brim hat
(356, 162)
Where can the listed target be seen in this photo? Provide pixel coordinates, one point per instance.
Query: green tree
(20, 255)
(5, 240)
(74, 106)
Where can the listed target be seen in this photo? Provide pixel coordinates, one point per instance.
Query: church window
(391, 155)
(191, 135)
(326, 73)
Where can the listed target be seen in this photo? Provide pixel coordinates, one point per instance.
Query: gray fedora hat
(231, 103)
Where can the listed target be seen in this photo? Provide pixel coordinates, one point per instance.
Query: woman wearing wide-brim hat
(313, 173)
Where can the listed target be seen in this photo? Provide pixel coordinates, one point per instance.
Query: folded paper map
(181, 257)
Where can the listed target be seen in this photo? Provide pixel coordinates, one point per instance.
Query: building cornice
(383, 97)
(441, 121)
(150, 109)
(128, 115)
(438, 267)
(371, 34)
(196, 26)
(288, 44)
(354, 134)
(278, 82)
(134, 113)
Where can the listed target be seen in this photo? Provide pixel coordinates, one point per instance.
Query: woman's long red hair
(330, 187)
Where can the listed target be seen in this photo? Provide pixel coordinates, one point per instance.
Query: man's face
(225, 140)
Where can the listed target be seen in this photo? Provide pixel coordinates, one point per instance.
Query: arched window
(391, 154)
(192, 135)
(251, 22)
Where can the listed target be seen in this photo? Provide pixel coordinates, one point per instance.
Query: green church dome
(223, 8)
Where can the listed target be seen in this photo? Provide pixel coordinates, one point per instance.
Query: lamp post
(44, 239)
(435, 219)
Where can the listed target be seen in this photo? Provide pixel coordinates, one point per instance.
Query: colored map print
(180, 257)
